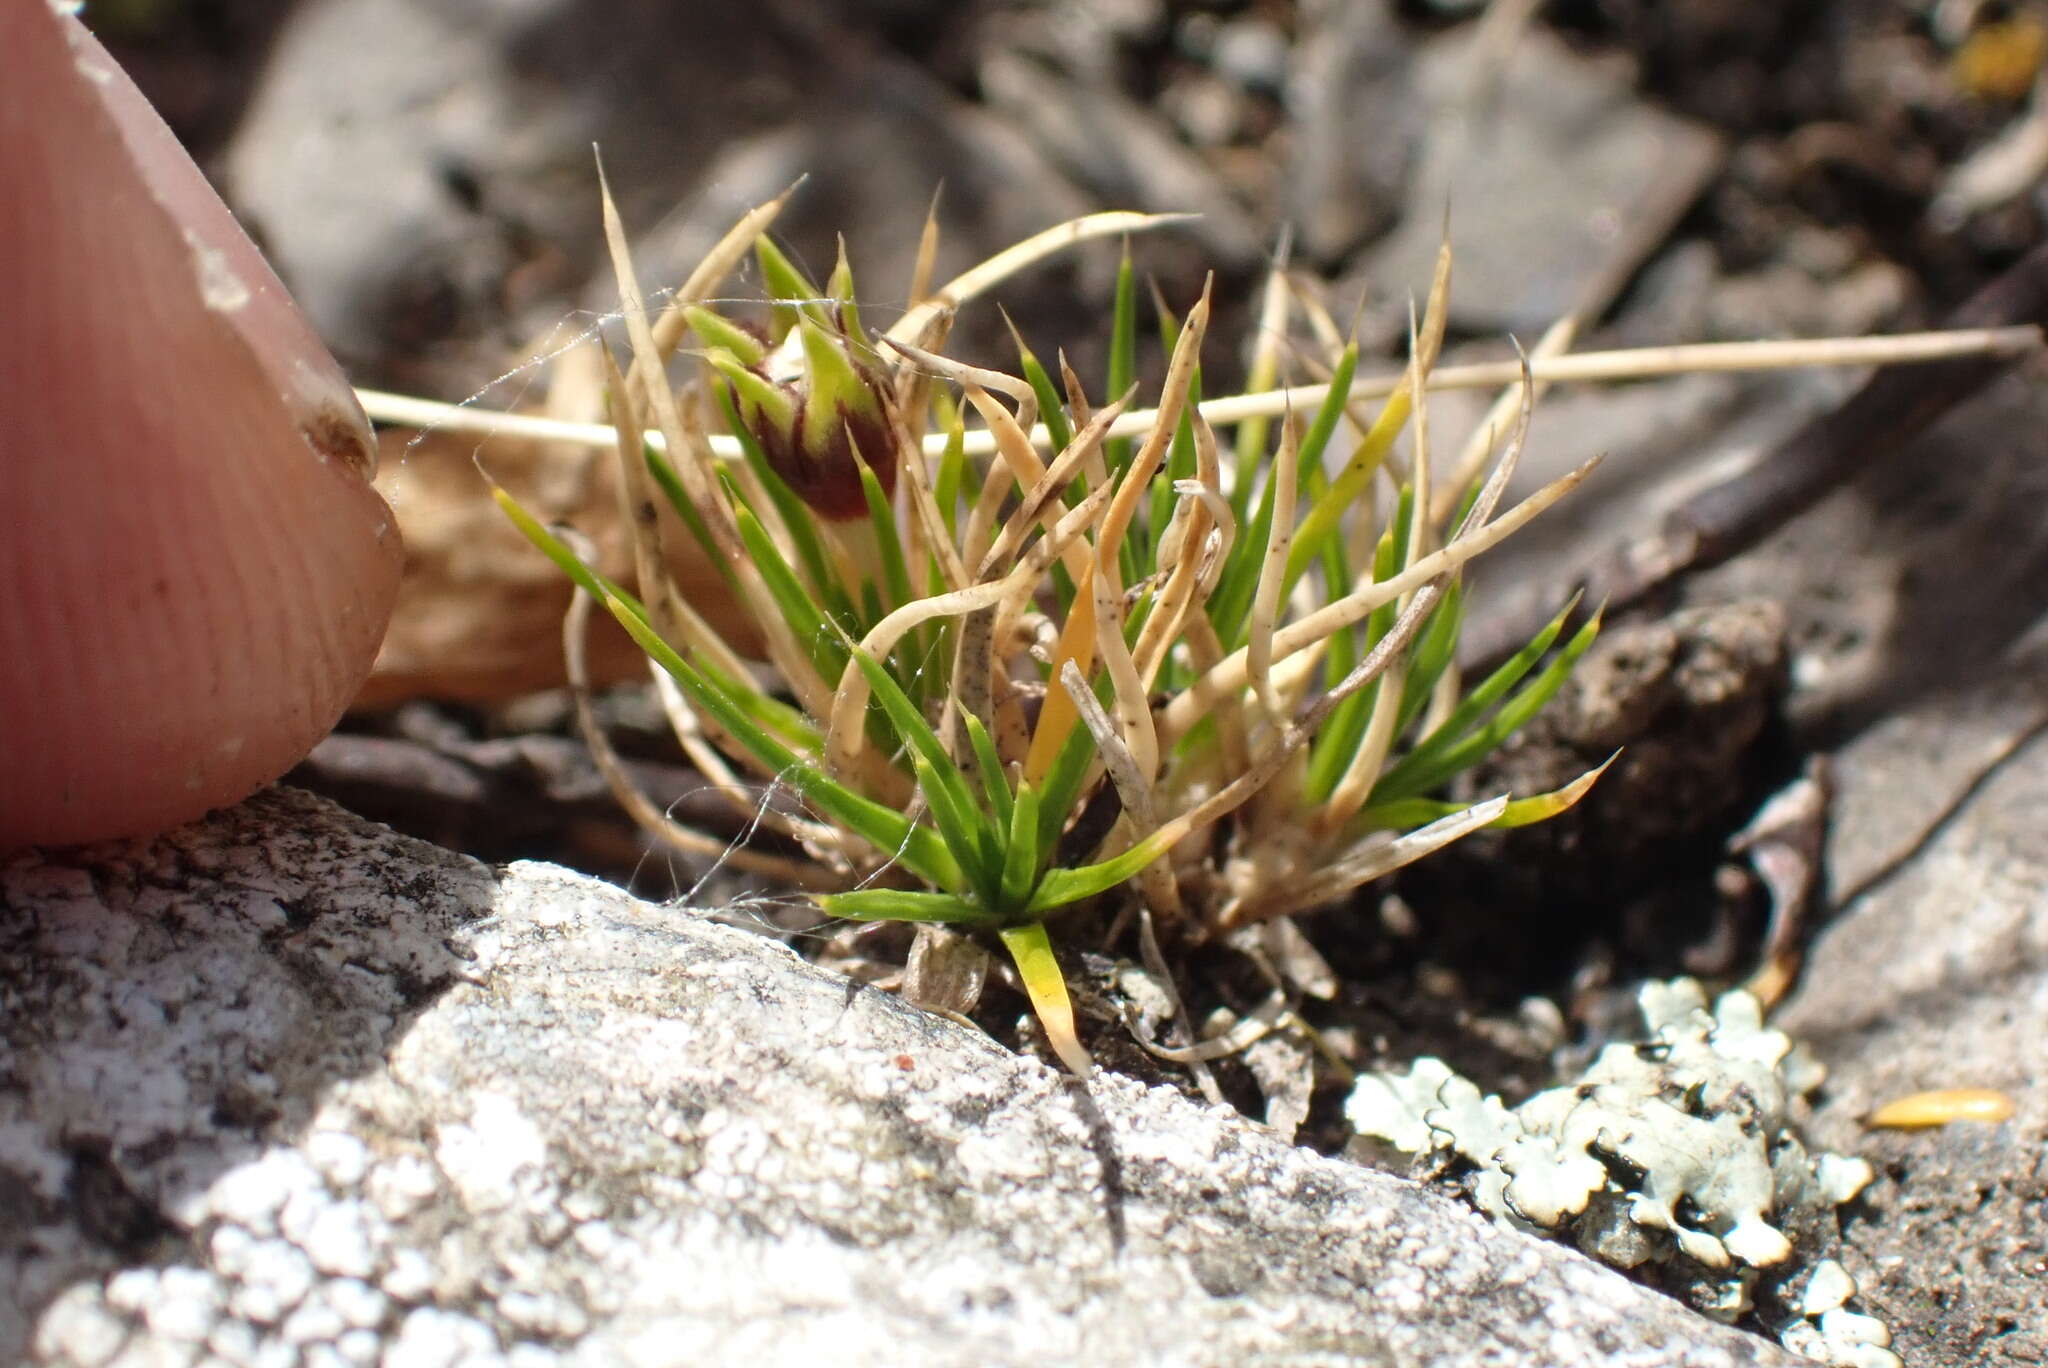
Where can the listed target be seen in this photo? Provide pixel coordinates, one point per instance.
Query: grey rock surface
(451, 175)
(1357, 125)
(1919, 634)
(1924, 574)
(438, 212)
(1497, 145)
(285, 1088)
(1934, 976)
(1123, 153)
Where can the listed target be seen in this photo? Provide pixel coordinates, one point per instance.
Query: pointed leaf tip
(718, 331)
(1046, 986)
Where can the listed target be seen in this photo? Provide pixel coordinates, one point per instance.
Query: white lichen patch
(1829, 1331)
(1677, 1151)
(485, 1157)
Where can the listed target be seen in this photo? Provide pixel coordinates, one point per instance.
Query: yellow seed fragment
(2001, 60)
(1938, 1108)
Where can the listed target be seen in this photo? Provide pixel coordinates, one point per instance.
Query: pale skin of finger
(194, 570)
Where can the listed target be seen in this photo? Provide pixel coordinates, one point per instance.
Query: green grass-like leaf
(966, 832)
(567, 561)
(1021, 861)
(1434, 650)
(1123, 355)
(1063, 788)
(895, 570)
(1339, 740)
(1123, 369)
(952, 477)
(1180, 461)
(789, 286)
(671, 486)
(1062, 886)
(1050, 410)
(995, 783)
(1406, 813)
(960, 821)
(792, 510)
(895, 904)
(1231, 604)
(920, 849)
(1059, 432)
(788, 726)
(819, 634)
(1454, 748)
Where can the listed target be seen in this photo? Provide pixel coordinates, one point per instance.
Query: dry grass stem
(1032, 250)
(1640, 363)
(718, 263)
(1228, 677)
(784, 650)
(1273, 572)
(1262, 770)
(1556, 341)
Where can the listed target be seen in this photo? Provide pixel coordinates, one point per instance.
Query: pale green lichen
(1677, 1150)
(1829, 1331)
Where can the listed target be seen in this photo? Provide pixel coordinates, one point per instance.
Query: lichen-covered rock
(1678, 1149)
(283, 1088)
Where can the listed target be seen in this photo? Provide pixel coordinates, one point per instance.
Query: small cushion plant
(1110, 658)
